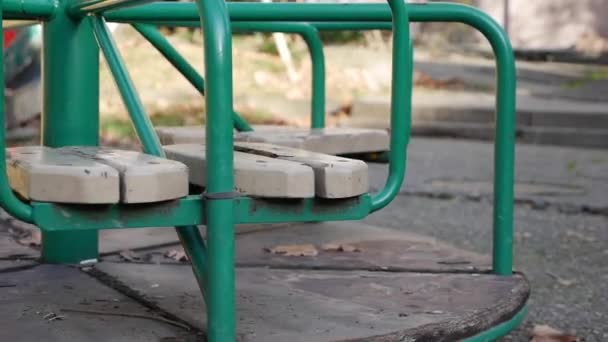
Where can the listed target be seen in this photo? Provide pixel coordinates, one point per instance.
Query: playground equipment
(71, 188)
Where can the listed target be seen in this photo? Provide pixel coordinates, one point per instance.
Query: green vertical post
(70, 113)
(220, 167)
(315, 47)
(504, 146)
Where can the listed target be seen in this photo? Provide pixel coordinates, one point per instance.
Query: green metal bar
(70, 113)
(163, 46)
(315, 48)
(220, 166)
(504, 147)
(195, 248)
(445, 12)
(8, 200)
(84, 8)
(401, 105)
(505, 123)
(241, 11)
(186, 212)
(141, 122)
(248, 210)
(30, 9)
(355, 26)
(151, 145)
(181, 64)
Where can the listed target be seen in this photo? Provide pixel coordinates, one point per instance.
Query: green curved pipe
(8, 200)
(401, 104)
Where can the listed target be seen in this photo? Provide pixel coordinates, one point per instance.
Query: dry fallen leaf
(334, 247)
(580, 236)
(129, 255)
(545, 333)
(32, 240)
(427, 81)
(561, 281)
(294, 250)
(177, 255)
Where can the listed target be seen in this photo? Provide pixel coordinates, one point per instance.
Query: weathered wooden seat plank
(322, 140)
(196, 134)
(266, 170)
(46, 174)
(254, 175)
(143, 178)
(94, 175)
(335, 177)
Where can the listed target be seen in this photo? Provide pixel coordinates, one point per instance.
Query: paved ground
(561, 244)
(557, 104)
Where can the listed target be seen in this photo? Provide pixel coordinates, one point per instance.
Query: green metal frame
(73, 30)
(377, 16)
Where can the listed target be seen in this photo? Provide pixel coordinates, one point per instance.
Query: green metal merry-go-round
(213, 176)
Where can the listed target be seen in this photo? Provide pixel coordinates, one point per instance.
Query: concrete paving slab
(10, 249)
(569, 177)
(364, 247)
(32, 308)
(117, 240)
(339, 246)
(16, 264)
(284, 305)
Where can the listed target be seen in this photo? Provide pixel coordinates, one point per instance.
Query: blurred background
(561, 47)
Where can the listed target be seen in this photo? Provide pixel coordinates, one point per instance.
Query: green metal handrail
(30, 9)
(376, 16)
(83, 8)
(13, 205)
(401, 105)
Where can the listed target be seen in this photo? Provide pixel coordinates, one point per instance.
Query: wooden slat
(45, 174)
(196, 134)
(143, 178)
(254, 175)
(335, 177)
(324, 140)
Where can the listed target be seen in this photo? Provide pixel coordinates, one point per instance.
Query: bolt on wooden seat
(94, 175)
(266, 170)
(322, 140)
